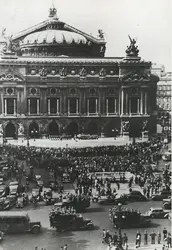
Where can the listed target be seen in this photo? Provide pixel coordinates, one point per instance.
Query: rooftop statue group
(8, 40)
(132, 49)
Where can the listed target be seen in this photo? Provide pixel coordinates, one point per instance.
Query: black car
(164, 194)
(135, 196)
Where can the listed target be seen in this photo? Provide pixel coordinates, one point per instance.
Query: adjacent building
(163, 95)
(55, 79)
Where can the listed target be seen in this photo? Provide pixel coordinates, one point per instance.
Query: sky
(149, 21)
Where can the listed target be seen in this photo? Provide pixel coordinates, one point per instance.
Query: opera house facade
(55, 79)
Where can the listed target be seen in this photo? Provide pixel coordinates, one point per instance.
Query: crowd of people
(118, 239)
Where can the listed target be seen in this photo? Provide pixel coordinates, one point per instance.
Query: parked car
(167, 203)
(164, 194)
(13, 187)
(156, 213)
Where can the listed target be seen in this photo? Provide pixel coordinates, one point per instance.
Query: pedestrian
(125, 239)
(153, 235)
(108, 237)
(110, 246)
(65, 247)
(138, 239)
(159, 237)
(164, 233)
(104, 236)
(168, 239)
(145, 237)
(115, 238)
(163, 247)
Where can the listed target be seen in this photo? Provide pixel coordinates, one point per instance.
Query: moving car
(156, 213)
(104, 200)
(18, 222)
(135, 196)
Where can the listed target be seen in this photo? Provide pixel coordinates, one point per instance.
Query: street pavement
(49, 143)
(81, 240)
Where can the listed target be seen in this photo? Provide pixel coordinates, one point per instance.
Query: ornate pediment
(136, 76)
(11, 75)
(10, 78)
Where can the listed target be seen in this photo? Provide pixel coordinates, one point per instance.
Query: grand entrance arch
(10, 130)
(92, 128)
(53, 128)
(33, 130)
(112, 129)
(72, 129)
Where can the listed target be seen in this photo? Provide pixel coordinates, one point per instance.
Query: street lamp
(34, 133)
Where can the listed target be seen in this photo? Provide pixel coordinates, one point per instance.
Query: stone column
(48, 106)
(88, 105)
(96, 106)
(77, 106)
(141, 103)
(2, 103)
(107, 103)
(58, 106)
(68, 106)
(122, 102)
(37, 106)
(115, 106)
(145, 102)
(138, 106)
(126, 99)
(14, 106)
(28, 106)
(130, 106)
(5, 106)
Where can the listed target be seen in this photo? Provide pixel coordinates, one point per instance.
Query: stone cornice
(66, 60)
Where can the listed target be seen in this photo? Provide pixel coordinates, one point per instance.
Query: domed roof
(53, 36)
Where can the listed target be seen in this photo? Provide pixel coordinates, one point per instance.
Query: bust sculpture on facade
(132, 49)
(43, 72)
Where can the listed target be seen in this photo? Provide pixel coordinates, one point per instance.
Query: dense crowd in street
(132, 157)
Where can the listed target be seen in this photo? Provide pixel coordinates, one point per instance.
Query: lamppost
(34, 133)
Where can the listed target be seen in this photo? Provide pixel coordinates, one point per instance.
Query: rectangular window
(134, 105)
(111, 105)
(92, 105)
(72, 105)
(33, 105)
(53, 105)
(10, 106)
